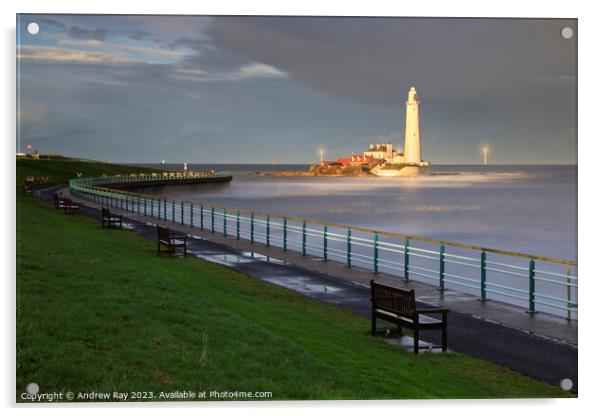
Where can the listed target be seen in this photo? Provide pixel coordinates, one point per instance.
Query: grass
(97, 310)
(60, 171)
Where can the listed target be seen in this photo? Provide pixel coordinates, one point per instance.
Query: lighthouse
(409, 163)
(412, 135)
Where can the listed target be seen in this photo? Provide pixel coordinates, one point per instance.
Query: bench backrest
(392, 299)
(163, 233)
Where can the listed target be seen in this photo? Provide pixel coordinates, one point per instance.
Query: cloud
(247, 71)
(81, 33)
(96, 51)
(259, 70)
(53, 53)
(144, 53)
(77, 31)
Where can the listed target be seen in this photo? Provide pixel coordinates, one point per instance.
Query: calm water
(531, 209)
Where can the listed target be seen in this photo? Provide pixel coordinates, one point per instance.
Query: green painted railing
(539, 283)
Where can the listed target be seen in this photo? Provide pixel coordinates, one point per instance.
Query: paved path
(541, 346)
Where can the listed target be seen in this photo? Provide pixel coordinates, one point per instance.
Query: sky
(228, 89)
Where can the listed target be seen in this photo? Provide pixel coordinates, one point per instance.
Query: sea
(523, 208)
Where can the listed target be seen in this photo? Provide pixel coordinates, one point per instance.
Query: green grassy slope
(97, 310)
(60, 171)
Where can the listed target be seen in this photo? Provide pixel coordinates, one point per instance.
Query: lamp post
(485, 153)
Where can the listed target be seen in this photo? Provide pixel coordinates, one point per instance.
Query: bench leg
(373, 332)
(416, 339)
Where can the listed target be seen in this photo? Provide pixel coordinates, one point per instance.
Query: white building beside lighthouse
(409, 163)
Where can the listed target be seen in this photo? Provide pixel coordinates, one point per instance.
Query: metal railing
(536, 282)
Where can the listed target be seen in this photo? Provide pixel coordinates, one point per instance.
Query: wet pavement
(535, 355)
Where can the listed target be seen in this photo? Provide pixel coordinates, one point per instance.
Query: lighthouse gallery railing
(536, 282)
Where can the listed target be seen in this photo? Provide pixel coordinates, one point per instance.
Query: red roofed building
(356, 160)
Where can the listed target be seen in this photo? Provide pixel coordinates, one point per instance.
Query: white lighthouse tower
(412, 135)
(411, 163)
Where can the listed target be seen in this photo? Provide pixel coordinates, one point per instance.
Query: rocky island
(379, 159)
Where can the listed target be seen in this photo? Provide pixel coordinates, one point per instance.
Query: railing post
(202, 218)
(212, 219)
(406, 260)
(325, 249)
(191, 215)
(252, 227)
(348, 247)
(152, 208)
(267, 231)
(284, 234)
(375, 257)
(483, 276)
(569, 297)
(165, 209)
(173, 210)
(225, 222)
(138, 204)
(182, 212)
(441, 267)
(238, 225)
(145, 206)
(304, 238)
(531, 286)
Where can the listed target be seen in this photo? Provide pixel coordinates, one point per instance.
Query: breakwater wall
(162, 179)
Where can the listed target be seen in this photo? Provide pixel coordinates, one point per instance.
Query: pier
(144, 180)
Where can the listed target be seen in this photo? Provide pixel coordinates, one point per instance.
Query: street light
(485, 153)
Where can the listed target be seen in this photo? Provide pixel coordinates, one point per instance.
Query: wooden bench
(398, 306)
(70, 207)
(59, 202)
(28, 188)
(170, 239)
(110, 219)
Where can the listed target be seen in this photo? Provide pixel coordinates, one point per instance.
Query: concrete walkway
(541, 345)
